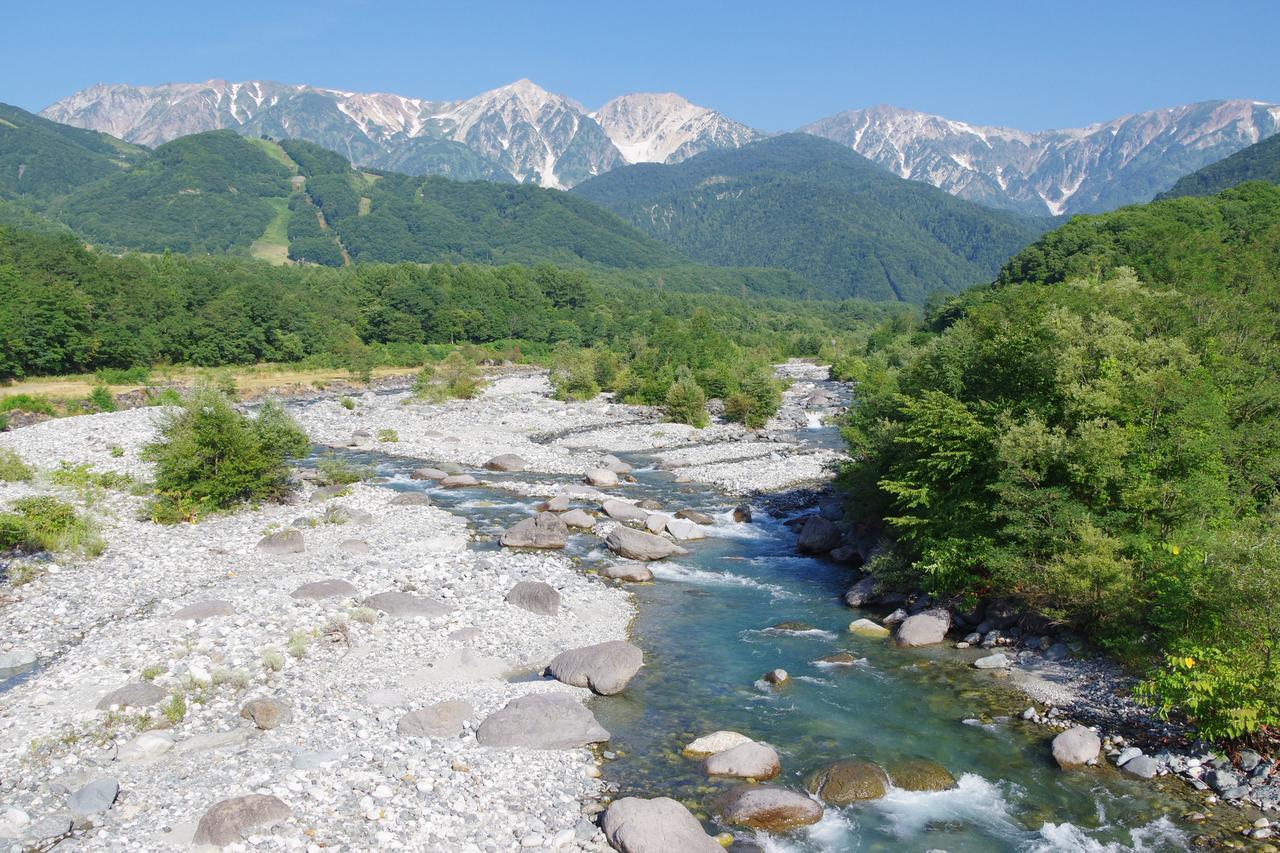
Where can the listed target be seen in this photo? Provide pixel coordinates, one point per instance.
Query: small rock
(628, 571)
(601, 478)
(354, 547)
(777, 677)
(997, 661)
(867, 628)
(768, 808)
(459, 481)
(228, 820)
(97, 796)
(443, 719)
(204, 609)
(50, 827)
(638, 545)
(541, 721)
(578, 518)
(559, 503)
(919, 774)
(1075, 747)
(695, 516)
(624, 512)
(544, 530)
(328, 588)
(411, 499)
(138, 694)
(282, 542)
(742, 514)
(861, 592)
(1143, 766)
(266, 713)
(403, 605)
(924, 629)
(428, 474)
(849, 781)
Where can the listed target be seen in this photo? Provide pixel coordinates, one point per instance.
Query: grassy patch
(48, 524)
(335, 471)
(12, 468)
(273, 245)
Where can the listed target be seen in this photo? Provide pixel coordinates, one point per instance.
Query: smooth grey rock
(1076, 746)
(1144, 767)
(544, 530)
(50, 827)
(656, 523)
(97, 796)
(443, 719)
(628, 571)
(997, 661)
(924, 629)
(1127, 755)
(328, 588)
(428, 474)
(559, 503)
(601, 478)
(1057, 651)
(1222, 780)
(695, 516)
(659, 825)
(267, 713)
(861, 592)
(459, 481)
(206, 608)
(818, 536)
(342, 514)
(147, 746)
(317, 760)
(685, 531)
(745, 761)
(404, 605)
(228, 820)
(624, 512)
(137, 694)
(355, 547)
(542, 721)
(637, 545)
(578, 518)
(506, 462)
(536, 597)
(768, 808)
(605, 668)
(713, 743)
(282, 542)
(411, 499)
(616, 465)
(324, 493)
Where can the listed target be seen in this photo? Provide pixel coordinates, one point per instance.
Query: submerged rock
(768, 808)
(849, 781)
(659, 825)
(605, 668)
(1075, 747)
(542, 721)
(920, 774)
(228, 820)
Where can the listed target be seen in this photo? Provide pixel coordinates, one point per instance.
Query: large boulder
(340, 514)
(282, 542)
(1076, 746)
(559, 503)
(228, 820)
(328, 588)
(578, 518)
(924, 629)
(920, 774)
(544, 530)
(95, 797)
(443, 719)
(137, 694)
(428, 474)
(411, 499)
(627, 571)
(536, 597)
(506, 462)
(684, 531)
(605, 668)
(695, 516)
(868, 628)
(849, 781)
(601, 478)
(768, 808)
(542, 721)
(818, 536)
(637, 545)
(404, 605)
(459, 481)
(623, 511)
(742, 514)
(861, 592)
(614, 464)
(715, 742)
(660, 825)
(745, 761)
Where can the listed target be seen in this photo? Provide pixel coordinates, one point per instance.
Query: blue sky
(775, 66)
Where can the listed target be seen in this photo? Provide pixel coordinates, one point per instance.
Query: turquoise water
(705, 628)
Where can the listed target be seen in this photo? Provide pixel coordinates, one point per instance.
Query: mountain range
(1258, 162)
(523, 133)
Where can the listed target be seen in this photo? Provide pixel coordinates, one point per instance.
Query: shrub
(455, 378)
(347, 403)
(123, 376)
(12, 468)
(165, 397)
(686, 403)
(101, 399)
(387, 435)
(116, 451)
(336, 471)
(211, 457)
(30, 403)
(48, 524)
(573, 373)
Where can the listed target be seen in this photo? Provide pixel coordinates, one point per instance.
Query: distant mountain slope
(818, 209)
(1258, 162)
(520, 132)
(1096, 168)
(42, 159)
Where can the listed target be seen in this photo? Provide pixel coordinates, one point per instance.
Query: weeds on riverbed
(272, 660)
(48, 524)
(455, 378)
(298, 642)
(335, 471)
(175, 709)
(13, 469)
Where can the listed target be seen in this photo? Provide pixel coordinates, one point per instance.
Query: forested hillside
(1258, 162)
(1099, 434)
(41, 159)
(814, 207)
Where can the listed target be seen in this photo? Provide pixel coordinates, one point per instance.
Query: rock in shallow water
(1076, 746)
(628, 571)
(867, 628)
(605, 668)
(818, 536)
(624, 512)
(997, 661)
(542, 721)
(849, 781)
(601, 478)
(544, 530)
(924, 629)
(715, 742)
(578, 518)
(745, 761)
(768, 808)
(638, 545)
(920, 774)
(228, 820)
(660, 825)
